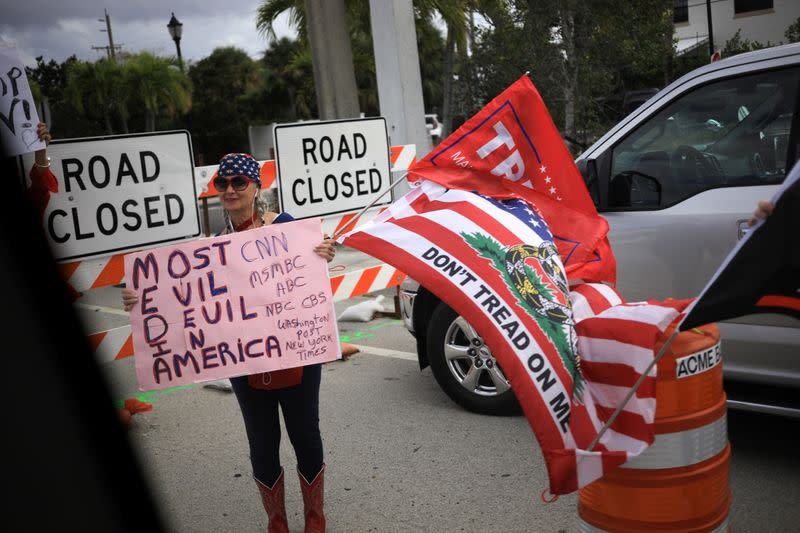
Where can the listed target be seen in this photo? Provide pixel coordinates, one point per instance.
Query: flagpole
(633, 390)
(375, 201)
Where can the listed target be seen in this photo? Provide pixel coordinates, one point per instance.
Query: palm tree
(437, 87)
(360, 41)
(454, 15)
(98, 90)
(358, 30)
(268, 12)
(285, 85)
(160, 87)
(301, 69)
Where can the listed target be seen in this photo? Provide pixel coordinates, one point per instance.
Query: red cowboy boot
(313, 493)
(272, 498)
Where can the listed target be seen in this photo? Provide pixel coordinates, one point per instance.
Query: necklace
(244, 225)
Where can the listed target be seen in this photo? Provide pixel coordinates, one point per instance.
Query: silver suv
(677, 180)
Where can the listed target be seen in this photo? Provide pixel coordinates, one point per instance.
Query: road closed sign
(331, 167)
(118, 193)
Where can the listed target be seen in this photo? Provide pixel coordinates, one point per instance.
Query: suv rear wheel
(464, 366)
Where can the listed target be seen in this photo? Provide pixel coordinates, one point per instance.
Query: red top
(43, 182)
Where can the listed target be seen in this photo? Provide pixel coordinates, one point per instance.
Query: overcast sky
(59, 28)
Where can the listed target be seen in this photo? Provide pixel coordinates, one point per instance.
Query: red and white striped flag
(494, 262)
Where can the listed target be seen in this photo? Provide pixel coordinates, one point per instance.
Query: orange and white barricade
(681, 483)
(104, 271)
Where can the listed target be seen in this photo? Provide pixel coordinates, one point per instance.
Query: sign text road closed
(325, 168)
(119, 193)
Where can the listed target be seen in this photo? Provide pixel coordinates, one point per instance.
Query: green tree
(739, 45)
(99, 91)
(50, 77)
(285, 91)
(360, 42)
(582, 56)
(454, 15)
(430, 47)
(158, 86)
(793, 32)
(428, 38)
(218, 119)
(268, 12)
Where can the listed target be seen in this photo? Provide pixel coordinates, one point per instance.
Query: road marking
(348, 338)
(109, 310)
(383, 352)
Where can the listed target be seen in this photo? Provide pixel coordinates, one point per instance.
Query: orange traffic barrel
(681, 482)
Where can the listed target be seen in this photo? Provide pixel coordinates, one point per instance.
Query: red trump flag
(512, 148)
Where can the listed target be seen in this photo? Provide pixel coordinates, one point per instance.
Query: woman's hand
(43, 133)
(326, 249)
(129, 299)
(763, 210)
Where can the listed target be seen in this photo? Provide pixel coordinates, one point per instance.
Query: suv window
(732, 132)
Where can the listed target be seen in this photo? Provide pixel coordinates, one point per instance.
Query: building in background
(759, 20)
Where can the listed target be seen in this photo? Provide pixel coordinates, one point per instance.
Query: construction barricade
(681, 482)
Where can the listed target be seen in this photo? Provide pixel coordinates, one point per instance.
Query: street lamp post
(175, 31)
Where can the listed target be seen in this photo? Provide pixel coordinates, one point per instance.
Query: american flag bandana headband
(240, 165)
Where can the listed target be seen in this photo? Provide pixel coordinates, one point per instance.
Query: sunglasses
(239, 183)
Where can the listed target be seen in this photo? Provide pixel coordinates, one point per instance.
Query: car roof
(755, 56)
(739, 60)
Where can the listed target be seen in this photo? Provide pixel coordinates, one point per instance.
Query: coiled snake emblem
(515, 267)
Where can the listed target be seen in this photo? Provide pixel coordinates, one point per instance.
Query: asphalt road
(401, 456)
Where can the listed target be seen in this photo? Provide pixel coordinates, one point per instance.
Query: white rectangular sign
(331, 167)
(699, 362)
(18, 117)
(119, 193)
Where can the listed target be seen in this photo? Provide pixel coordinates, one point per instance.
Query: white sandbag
(220, 384)
(363, 311)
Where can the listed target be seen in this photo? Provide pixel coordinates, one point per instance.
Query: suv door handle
(743, 227)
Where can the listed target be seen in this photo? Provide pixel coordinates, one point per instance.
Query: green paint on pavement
(385, 324)
(153, 396)
(354, 336)
(363, 335)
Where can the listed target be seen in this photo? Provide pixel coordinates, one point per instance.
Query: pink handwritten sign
(250, 302)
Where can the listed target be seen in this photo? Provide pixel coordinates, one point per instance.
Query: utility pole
(710, 29)
(394, 39)
(111, 49)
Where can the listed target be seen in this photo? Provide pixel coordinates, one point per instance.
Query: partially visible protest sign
(18, 117)
(237, 304)
(120, 192)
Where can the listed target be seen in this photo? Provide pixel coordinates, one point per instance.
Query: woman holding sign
(296, 390)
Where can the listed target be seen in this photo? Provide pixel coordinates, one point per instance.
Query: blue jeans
(300, 406)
